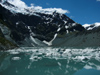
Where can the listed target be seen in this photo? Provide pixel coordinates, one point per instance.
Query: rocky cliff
(23, 27)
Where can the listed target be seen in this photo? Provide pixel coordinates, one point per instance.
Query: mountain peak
(91, 26)
(18, 6)
(35, 23)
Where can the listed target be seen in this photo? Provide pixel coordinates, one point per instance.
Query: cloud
(18, 3)
(22, 5)
(98, 0)
(51, 10)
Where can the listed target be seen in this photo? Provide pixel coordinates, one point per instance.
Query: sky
(81, 11)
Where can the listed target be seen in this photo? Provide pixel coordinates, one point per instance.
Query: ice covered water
(50, 61)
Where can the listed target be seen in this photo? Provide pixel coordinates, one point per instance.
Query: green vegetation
(3, 41)
(6, 44)
(2, 21)
(61, 35)
(1, 34)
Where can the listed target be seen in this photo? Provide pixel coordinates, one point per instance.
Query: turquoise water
(50, 61)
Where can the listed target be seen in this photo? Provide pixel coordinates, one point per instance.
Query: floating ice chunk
(14, 52)
(80, 57)
(16, 58)
(87, 67)
(59, 63)
(33, 57)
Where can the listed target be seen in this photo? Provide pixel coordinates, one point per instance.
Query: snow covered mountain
(91, 26)
(30, 26)
(18, 6)
(35, 26)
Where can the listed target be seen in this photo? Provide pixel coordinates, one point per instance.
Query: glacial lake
(50, 61)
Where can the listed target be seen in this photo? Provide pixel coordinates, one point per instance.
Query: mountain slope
(80, 39)
(32, 27)
(87, 38)
(35, 28)
(4, 43)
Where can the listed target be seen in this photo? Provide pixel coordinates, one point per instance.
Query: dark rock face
(44, 25)
(1, 34)
(41, 27)
(4, 43)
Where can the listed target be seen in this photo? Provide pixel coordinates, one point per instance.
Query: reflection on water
(50, 61)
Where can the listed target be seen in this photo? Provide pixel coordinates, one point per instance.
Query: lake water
(50, 61)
